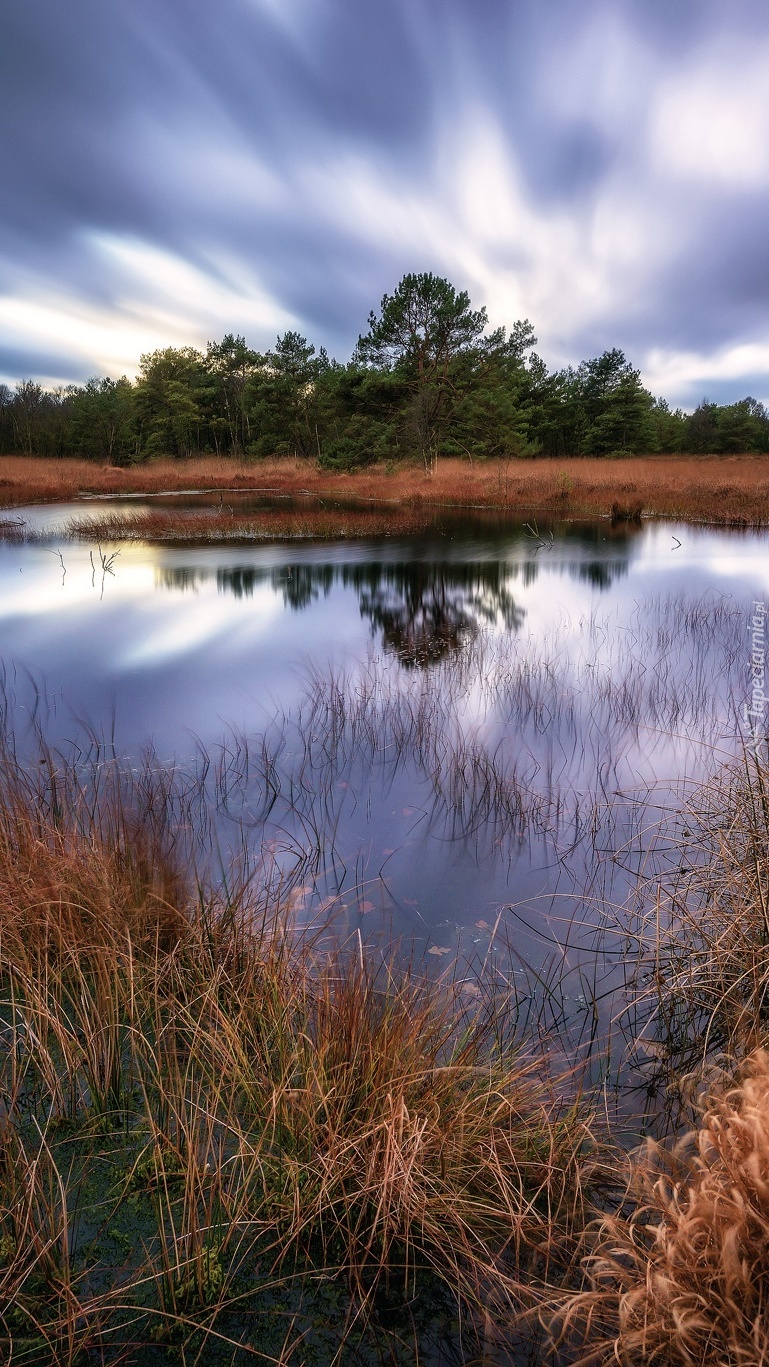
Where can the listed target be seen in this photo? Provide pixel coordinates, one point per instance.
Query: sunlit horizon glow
(175, 175)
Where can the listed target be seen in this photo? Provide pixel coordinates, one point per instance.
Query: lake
(470, 741)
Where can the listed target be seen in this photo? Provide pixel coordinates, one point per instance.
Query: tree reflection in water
(422, 610)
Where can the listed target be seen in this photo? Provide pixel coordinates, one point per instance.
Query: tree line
(427, 379)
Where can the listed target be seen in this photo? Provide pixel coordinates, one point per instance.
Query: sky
(172, 170)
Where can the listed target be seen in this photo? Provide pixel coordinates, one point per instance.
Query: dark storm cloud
(170, 170)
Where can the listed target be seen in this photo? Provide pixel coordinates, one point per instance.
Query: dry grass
(166, 524)
(684, 1278)
(702, 976)
(730, 490)
(249, 1117)
(678, 1273)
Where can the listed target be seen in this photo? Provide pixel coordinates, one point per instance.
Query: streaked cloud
(158, 300)
(176, 172)
(711, 120)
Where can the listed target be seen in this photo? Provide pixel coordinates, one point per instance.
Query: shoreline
(718, 490)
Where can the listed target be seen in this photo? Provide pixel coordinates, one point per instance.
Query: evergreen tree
(173, 395)
(232, 364)
(103, 423)
(282, 399)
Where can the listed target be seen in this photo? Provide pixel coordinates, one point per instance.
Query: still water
(471, 741)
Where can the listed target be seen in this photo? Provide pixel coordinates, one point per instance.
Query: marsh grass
(675, 1269)
(184, 526)
(700, 977)
(679, 1273)
(626, 512)
(214, 1128)
(730, 491)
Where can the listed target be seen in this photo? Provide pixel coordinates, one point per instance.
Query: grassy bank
(729, 490)
(231, 523)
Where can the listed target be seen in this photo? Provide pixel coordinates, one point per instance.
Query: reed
(220, 1132)
(675, 1268)
(234, 525)
(700, 981)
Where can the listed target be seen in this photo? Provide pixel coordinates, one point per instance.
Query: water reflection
(424, 612)
(601, 574)
(450, 780)
(421, 611)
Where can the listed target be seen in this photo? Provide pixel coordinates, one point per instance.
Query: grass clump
(703, 943)
(214, 1128)
(676, 1270)
(626, 512)
(683, 1278)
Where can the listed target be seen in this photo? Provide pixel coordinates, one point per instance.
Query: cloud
(737, 369)
(158, 300)
(474, 220)
(177, 171)
(710, 125)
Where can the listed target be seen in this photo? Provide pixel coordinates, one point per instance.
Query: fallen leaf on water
(408, 811)
(327, 902)
(298, 897)
(439, 949)
(367, 906)
(654, 1049)
(482, 925)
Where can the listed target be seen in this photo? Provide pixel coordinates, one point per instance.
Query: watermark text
(754, 711)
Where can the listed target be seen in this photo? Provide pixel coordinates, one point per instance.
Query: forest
(427, 379)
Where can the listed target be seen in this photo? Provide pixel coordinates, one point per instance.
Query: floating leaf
(366, 906)
(439, 949)
(298, 897)
(327, 903)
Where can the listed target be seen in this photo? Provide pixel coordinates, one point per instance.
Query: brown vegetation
(683, 1278)
(167, 524)
(677, 1272)
(731, 490)
(202, 1108)
(703, 935)
(254, 1113)
(241, 1113)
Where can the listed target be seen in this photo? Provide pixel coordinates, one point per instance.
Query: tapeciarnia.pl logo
(753, 712)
